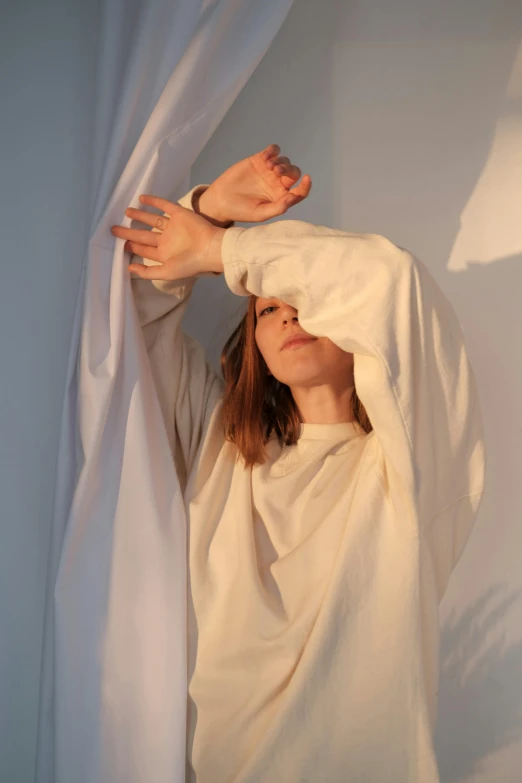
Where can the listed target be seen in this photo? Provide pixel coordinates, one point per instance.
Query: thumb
(275, 208)
(148, 272)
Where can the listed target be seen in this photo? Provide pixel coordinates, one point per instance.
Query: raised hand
(255, 189)
(181, 243)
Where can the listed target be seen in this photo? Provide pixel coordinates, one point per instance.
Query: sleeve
(187, 385)
(411, 369)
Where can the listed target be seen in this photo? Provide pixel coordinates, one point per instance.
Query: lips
(297, 339)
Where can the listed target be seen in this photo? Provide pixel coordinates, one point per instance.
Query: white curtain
(114, 677)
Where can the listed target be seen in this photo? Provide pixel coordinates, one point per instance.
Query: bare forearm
(206, 205)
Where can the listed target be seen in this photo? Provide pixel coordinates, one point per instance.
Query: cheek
(264, 342)
(336, 354)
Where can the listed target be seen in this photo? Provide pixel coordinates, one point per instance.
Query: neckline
(337, 431)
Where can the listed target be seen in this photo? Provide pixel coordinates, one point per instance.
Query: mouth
(296, 342)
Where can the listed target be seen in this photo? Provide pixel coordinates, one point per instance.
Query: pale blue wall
(47, 67)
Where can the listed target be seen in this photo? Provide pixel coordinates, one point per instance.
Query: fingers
(160, 203)
(149, 218)
(294, 196)
(270, 151)
(143, 236)
(145, 251)
(277, 162)
(301, 191)
(291, 173)
(282, 166)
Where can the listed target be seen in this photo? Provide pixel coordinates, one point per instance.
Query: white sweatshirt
(315, 578)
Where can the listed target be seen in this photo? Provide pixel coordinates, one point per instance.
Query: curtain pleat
(114, 677)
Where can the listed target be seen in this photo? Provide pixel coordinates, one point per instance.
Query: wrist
(205, 206)
(213, 259)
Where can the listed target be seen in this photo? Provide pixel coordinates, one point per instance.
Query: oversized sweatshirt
(315, 578)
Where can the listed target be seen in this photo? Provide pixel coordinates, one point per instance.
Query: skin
(187, 243)
(319, 373)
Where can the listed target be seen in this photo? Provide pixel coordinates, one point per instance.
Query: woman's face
(317, 362)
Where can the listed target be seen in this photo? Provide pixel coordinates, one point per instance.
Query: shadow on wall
(478, 663)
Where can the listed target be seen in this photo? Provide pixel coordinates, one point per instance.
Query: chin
(303, 378)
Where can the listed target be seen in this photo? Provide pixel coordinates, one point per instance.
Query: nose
(289, 313)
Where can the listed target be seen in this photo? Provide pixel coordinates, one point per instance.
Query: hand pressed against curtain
(185, 243)
(318, 372)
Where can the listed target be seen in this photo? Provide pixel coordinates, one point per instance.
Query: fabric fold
(113, 687)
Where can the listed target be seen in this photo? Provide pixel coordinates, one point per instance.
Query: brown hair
(254, 402)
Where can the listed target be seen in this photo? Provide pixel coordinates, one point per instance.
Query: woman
(323, 523)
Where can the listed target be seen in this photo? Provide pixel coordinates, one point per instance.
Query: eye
(272, 307)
